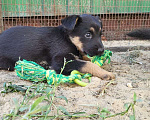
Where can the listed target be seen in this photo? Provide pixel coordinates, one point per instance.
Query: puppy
(78, 36)
(143, 33)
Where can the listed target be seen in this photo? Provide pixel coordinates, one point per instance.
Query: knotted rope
(29, 70)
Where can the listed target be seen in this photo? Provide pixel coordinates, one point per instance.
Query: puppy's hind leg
(6, 64)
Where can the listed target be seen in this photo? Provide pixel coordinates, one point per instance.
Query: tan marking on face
(77, 20)
(92, 29)
(96, 71)
(76, 41)
(100, 29)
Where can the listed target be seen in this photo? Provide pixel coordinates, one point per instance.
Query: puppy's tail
(143, 33)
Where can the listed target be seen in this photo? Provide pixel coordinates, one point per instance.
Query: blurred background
(118, 16)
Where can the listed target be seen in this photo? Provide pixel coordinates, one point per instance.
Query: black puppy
(76, 37)
(143, 33)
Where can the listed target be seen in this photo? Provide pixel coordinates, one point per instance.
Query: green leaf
(46, 108)
(78, 113)
(48, 91)
(102, 116)
(126, 105)
(64, 98)
(104, 110)
(13, 88)
(34, 111)
(132, 117)
(134, 97)
(4, 85)
(16, 107)
(23, 108)
(36, 102)
(63, 110)
(15, 102)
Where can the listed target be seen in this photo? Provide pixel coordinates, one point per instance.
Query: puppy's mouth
(85, 53)
(92, 54)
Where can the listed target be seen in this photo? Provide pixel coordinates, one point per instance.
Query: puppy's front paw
(108, 76)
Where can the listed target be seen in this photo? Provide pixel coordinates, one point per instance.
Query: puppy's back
(22, 41)
(143, 33)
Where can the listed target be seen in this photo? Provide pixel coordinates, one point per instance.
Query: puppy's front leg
(80, 65)
(95, 70)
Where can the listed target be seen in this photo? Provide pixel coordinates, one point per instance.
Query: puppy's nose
(101, 50)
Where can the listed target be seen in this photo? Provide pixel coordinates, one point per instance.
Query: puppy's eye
(88, 35)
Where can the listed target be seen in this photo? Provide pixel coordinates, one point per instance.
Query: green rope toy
(29, 70)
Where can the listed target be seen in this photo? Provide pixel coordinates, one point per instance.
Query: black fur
(52, 44)
(143, 33)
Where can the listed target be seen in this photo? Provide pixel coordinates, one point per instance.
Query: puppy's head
(85, 33)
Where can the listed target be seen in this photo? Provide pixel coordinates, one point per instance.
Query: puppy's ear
(70, 22)
(98, 18)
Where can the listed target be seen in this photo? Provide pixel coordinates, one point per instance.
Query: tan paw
(108, 76)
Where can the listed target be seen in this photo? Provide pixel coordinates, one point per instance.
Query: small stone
(134, 85)
(129, 85)
(148, 109)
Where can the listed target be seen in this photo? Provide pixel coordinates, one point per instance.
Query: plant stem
(55, 86)
(126, 111)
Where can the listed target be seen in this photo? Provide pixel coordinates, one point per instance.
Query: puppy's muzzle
(100, 51)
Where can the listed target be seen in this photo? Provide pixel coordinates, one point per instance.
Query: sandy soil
(86, 99)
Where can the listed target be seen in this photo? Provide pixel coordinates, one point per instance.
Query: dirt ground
(132, 70)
